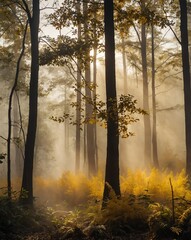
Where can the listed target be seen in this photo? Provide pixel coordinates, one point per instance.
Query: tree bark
(147, 123)
(78, 111)
(154, 132)
(89, 108)
(27, 181)
(10, 114)
(17, 129)
(95, 83)
(112, 158)
(186, 81)
(94, 97)
(124, 66)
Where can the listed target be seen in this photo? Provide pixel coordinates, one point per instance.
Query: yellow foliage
(146, 199)
(96, 185)
(134, 183)
(156, 184)
(127, 210)
(78, 189)
(71, 188)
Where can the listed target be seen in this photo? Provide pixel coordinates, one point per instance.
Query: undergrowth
(16, 220)
(74, 201)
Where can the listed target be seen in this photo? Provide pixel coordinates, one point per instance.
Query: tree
(95, 47)
(9, 113)
(124, 64)
(77, 49)
(154, 132)
(90, 140)
(112, 158)
(13, 34)
(27, 181)
(78, 113)
(186, 81)
(147, 123)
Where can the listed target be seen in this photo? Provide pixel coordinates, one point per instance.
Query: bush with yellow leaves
(139, 191)
(70, 188)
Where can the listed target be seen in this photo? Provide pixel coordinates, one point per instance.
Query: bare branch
(3, 138)
(171, 75)
(26, 8)
(175, 34)
(138, 35)
(156, 69)
(172, 29)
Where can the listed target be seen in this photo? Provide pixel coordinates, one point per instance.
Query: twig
(3, 138)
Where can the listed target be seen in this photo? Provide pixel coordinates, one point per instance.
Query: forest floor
(41, 225)
(46, 236)
(73, 235)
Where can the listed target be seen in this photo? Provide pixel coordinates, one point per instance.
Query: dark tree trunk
(27, 181)
(147, 123)
(154, 133)
(10, 115)
(186, 80)
(112, 159)
(78, 111)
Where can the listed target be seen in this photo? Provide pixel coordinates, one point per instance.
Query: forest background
(55, 57)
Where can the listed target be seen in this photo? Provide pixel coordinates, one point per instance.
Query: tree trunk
(89, 109)
(154, 132)
(78, 109)
(112, 159)
(10, 114)
(85, 144)
(16, 135)
(94, 97)
(124, 66)
(186, 81)
(95, 83)
(66, 125)
(147, 123)
(27, 181)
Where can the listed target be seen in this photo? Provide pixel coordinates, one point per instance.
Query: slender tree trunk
(95, 84)
(90, 132)
(94, 97)
(22, 134)
(78, 109)
(66, 125)
(124, 66)
(186, 81)
(154, 132)
(27, 181)
(10, 114)
(85, 144)
(16, 135)
(147, 123)
(112, 159)
(89, 110)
